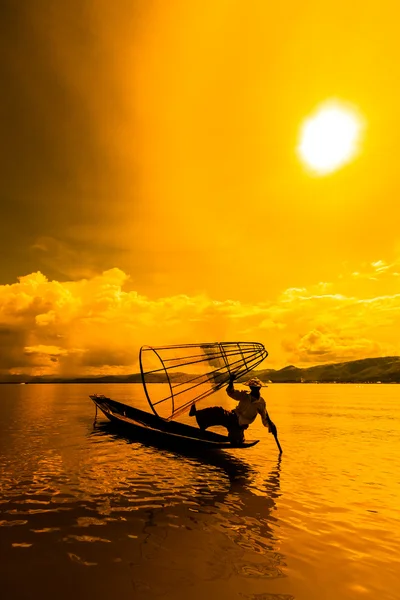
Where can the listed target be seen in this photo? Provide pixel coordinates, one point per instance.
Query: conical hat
(255, 382)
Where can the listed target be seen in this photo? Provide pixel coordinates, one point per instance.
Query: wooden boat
(144, 425)
(188, 373)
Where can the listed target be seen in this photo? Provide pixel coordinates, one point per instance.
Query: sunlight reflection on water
(321, 521)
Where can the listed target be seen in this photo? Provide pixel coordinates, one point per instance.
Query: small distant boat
(144, 425)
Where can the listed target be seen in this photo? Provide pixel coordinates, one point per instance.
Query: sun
(330, 138)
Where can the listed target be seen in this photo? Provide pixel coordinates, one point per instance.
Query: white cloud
(331, 346)
(94, 326)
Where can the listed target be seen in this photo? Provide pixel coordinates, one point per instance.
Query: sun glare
(329, 138)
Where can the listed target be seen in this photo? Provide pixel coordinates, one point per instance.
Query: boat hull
(148, 427)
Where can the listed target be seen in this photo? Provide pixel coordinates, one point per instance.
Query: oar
(274, 432)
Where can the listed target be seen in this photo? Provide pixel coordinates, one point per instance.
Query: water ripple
(151, 522)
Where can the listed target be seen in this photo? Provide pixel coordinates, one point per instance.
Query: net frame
(236, 358)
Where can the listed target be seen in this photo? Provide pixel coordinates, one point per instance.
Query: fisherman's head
(255, 384)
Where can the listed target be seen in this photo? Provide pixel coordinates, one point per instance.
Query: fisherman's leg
(208, 417)
(236, 436)
(236, 431)
(216, 415)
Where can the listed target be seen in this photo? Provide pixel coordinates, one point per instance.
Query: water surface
(86, 512)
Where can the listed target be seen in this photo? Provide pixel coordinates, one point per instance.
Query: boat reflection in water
(211, 521)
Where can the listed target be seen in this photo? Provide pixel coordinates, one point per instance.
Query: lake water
(84, 513)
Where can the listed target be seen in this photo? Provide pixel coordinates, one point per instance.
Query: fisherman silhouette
(236, 421)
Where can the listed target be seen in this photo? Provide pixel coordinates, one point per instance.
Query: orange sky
(151, 183)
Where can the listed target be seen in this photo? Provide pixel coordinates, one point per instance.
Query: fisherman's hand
(232, 377)
(272, 428)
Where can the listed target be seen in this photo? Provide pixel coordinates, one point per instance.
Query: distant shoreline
(385, 369)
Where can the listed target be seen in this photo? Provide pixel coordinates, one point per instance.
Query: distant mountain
(133, 378)
(368, 370)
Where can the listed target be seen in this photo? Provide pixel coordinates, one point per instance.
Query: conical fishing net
(175, 377)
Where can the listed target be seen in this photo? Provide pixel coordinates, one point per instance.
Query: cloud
(378, 270)
(331, 346)
(70, 260)
(335, 327)
(94, 326)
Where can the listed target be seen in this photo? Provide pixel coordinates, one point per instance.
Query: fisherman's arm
(230, 390)
(262, 409)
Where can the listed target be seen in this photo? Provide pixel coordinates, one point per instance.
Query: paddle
(274, 431)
